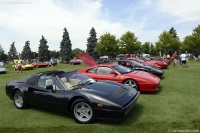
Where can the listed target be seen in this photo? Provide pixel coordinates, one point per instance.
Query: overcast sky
(23, 20)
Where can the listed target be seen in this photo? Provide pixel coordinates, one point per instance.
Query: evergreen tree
(26, 52)
(65, 48)
(173, 32)
(91, 43)
(12, 54)
(2, 54)
(43, 52)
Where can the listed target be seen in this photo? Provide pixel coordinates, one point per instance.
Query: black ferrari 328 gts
(74, 93)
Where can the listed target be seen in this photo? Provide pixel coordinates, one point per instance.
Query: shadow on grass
(51, 111)
(132, 116)
(162, 78)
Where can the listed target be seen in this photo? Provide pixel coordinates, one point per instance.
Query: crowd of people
(182, 58)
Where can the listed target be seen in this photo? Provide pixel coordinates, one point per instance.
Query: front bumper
(116, 115)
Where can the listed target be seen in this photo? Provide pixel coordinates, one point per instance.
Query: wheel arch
(16, 89)
(75, 98)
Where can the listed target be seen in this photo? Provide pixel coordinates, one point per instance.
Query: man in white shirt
(19, 66)
(183, 59)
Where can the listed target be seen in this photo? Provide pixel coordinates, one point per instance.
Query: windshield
(136, 63)
(121, 69)
(74, 79)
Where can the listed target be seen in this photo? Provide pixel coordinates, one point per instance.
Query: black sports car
(75, 93)
(137, 66)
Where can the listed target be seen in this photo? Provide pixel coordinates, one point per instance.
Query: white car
(2, 70)
(145, 55)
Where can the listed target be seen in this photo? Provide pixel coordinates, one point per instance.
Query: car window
(71, 79)
(92, 70)
(32, 81)
(104, 70)
(136, 63)
(42, 81)
(122, 63)
(46, 80)
(121, 69)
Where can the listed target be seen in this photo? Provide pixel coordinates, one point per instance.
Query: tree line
(108, 44)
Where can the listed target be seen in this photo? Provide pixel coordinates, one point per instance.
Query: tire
(82, 111)
(132, 83)
(18, 99)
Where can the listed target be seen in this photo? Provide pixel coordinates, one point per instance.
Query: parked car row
(100, 91)
(26, 65)
(30, 66)
(143, 77)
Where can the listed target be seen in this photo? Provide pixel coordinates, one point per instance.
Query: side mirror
(49, 87)
(113, 72)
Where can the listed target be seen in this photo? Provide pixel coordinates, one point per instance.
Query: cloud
(49, 18)
(23, 20)
(181, 10)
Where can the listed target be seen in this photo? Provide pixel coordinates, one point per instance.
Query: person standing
(183, 59)
(164, 56)
(55, 61)
(196, 56)
(168, 56)
(175, 58)
(51, 60)
(19, 66)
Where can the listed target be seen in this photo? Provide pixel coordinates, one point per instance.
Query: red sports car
(164, 60)
(146, 63)
(75, 62)
(140, 80)
(162, 64)
(38, 64)
(48, 63)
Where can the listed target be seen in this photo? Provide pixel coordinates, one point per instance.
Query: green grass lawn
(176, 106)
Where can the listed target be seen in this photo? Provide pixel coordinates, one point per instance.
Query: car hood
(28, 65)
(141, 75)
(112, 91)
(87, 59)
(153, 69)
